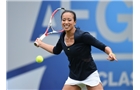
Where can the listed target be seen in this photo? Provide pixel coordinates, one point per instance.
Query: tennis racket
(54, 25)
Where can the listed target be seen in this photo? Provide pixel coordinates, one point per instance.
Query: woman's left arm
(89, 39)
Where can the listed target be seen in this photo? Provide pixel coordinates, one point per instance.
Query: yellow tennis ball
(39, 59)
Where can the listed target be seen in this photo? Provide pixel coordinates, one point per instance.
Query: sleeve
(90, 40)
(58, 48)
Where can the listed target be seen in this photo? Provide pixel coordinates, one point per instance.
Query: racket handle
(35, 43)
(41, 38)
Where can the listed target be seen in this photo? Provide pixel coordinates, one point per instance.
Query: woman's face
(68, 22)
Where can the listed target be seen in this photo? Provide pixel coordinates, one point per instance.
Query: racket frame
(49, 26)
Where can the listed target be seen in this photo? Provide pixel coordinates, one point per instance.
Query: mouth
(66, 26)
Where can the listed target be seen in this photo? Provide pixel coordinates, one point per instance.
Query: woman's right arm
(45, 46)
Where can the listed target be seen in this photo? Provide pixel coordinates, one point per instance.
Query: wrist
(108, 50)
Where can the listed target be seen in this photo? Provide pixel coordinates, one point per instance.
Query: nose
(66, 21)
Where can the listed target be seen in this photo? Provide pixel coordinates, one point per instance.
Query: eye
(63, 20)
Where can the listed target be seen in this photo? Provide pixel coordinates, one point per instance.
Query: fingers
(38, 39)
(37, 42)
(112, 57)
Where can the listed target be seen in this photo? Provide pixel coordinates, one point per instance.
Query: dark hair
(74, 15)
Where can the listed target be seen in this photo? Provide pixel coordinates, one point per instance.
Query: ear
(75, 23)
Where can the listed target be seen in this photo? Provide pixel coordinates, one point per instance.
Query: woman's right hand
(39, 41)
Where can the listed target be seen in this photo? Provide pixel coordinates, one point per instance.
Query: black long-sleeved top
(81, 63)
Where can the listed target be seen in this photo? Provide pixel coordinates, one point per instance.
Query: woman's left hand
(111, 57)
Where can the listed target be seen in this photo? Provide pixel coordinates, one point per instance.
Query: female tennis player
(77, 47)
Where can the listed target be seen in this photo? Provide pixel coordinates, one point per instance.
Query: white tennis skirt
(92, 80)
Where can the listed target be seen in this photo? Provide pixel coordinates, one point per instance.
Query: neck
(71, 32)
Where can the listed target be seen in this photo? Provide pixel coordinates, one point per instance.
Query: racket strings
(56, 20)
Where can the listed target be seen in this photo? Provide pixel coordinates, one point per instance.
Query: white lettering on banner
(124, 79)
(104, 29)
(129, 19)
(131, 78)
(111, 82)
(47, 16)
(79, 13)
(108, 79)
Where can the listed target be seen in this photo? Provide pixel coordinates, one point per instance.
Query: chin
(67, 29)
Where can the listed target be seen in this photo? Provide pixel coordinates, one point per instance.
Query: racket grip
(41, 38)
(35, 43)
